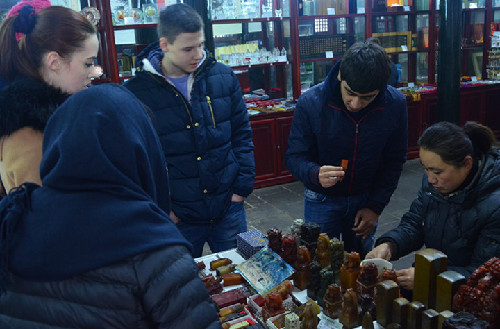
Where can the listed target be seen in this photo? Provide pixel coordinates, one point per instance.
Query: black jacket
(160, 289)
(465, 225)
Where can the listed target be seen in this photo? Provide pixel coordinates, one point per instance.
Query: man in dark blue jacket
(355, 116)
(204, 130)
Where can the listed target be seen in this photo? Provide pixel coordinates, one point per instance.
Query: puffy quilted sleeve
(173, 295)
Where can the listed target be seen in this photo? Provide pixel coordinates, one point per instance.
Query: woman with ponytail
(46, 56)
(457, 210)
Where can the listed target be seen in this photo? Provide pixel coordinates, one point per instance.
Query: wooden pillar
(450, 38)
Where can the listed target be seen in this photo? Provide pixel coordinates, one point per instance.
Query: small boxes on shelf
(248, 243)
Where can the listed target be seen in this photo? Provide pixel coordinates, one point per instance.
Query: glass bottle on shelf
(150, 10)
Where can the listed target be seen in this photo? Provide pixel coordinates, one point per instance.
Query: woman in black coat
(457, 210)
(94, 246)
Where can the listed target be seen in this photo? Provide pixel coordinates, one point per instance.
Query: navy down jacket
(207, 140)
(374, 140)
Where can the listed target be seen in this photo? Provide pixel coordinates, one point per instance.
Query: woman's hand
(383, 251)
(406, 278)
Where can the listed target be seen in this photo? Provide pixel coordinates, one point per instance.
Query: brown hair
(58, 29)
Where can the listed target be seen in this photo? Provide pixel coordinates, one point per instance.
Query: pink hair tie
(15, 10)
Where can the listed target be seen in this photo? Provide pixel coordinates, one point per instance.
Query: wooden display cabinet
(314, 38)
(270, 138)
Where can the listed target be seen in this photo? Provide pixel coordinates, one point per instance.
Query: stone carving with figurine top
(273, 306)
(349, 315)
(289, 249)
(332, 301)
(323, 250)
(309, 318)
(301, 274)
(367, 279)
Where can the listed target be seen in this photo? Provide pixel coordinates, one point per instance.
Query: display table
(300, 295)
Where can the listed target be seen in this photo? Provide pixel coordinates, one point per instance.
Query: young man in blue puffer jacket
(204, 130)
(353, 115)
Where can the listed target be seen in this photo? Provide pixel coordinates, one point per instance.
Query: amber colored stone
(273, 306)
(219, 262)
(284, 289)
(389, 274)
(231, 279)
(344, 163)
(322, 255)
(309, 318)
(349, 271)
(349, 315)
(428, 264)
(301, 274)
(332, 301)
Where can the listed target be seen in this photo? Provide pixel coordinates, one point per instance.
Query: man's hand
(383, 251)
(174, 218)
(330, 175)
(365, 222)
(406, 278)
(237, 198)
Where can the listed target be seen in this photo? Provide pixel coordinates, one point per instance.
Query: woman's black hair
(453, 144)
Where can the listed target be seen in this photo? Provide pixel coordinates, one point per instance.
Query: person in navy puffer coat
(204, 130)
(355, 116)
(94, 247)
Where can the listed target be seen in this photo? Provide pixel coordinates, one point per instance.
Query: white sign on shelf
(361, 10)
(411, 84)
(404, 48)
(407, 8)
(473, 78)
(128, 20)
(329, 54)
(331, 11)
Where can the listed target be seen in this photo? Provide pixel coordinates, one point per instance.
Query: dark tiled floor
(277, 206)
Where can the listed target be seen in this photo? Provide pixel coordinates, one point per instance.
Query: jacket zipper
(211, 110)
(355, 140)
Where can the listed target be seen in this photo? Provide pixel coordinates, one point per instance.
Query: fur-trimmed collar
(27, 103)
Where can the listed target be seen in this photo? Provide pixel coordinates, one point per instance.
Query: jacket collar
(28, 103)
